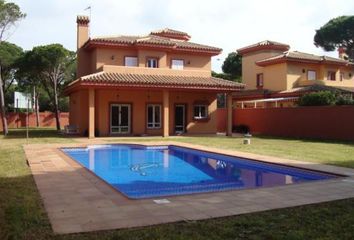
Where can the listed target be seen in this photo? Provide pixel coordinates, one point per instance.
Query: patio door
(120, 118)
(180, 118)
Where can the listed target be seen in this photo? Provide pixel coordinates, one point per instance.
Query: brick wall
(46, 119)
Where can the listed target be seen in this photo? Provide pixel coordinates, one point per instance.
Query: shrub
(241, 129)
(345, 100)
(322, 98)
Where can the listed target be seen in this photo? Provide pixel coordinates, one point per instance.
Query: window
(151, 63)
(331, 75)
(131, 61)
(260, 80)
(200, 111)
(177, 64)
(311, 75)
(153, 116)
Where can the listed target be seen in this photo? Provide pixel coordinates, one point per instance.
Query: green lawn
(22, 215)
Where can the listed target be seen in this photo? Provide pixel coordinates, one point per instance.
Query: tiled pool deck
(78, 201)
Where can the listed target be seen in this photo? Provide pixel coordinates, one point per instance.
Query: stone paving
(78, 201)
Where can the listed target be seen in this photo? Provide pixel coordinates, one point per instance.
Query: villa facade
(276, 77)
(157, 84)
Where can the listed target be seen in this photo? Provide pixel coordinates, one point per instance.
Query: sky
(228, 24)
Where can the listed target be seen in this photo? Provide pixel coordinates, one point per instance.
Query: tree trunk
(36, 107)
(2, 107)
(56, 108)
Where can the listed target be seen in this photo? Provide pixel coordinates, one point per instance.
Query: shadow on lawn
(309, 140)
(34, 133)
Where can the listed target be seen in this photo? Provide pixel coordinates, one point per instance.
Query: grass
(326, 152)
(22, 215)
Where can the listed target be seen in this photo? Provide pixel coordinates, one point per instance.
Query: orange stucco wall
(115, 57)
(79, 110)
(139, 100)
(250, 69)
(285, 76)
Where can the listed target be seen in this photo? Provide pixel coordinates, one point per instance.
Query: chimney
(82, 30)
(342, 54)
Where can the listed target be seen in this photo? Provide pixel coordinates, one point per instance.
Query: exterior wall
(115, 57)
(46, 119)
(190, 98)
(78, 112)
(98, 58)
(221, 115)
(191, 62)
(144, 54)
(274, 77)
(250, 69)
(297, 75)
(285, 76)
(83, 57)
(304, 122)
(155, 71)
(139, 100)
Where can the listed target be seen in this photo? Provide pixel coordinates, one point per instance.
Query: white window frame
(132, 59)
(152, 65)
(311, 77)
(200, 112)
(177, 64)
(153, 124)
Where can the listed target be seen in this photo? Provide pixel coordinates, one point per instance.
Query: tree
(28, 79)
(233, 65)
(9, 54)
(53, 66)
(10, 13)
(337, 33)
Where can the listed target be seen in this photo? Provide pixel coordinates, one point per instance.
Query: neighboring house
(275, 76)
(157, 84)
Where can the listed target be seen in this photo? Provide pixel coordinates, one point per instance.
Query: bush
(345, 100)
(322, 98)
(241, 129)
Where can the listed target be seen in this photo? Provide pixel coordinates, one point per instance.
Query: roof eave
(246, 50)
(88, 84)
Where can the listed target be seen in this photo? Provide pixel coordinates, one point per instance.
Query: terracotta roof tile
(155, 40)
(299, 56)
(174, 34)
(146, 80)
(267, 44)
(169, 31)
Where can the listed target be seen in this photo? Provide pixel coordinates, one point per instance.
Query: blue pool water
(143, 172)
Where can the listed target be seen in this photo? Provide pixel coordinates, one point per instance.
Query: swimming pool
(139, 171)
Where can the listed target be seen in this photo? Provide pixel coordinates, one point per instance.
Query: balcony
(154, 71)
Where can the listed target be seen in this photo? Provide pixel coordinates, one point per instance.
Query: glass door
(179, 119)
(120, 118)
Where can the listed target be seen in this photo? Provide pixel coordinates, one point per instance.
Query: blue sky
(229, 24)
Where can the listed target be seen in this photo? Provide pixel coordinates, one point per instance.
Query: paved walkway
(78, 201)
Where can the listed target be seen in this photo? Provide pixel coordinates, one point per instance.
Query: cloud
(229, 24)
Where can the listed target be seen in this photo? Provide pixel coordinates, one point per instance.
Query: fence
(46, 119)
(325, 122)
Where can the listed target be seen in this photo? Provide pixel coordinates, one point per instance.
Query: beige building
(269, 69)
(155, 84)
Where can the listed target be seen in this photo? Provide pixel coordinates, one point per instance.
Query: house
(156, 84)
(276, 77)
